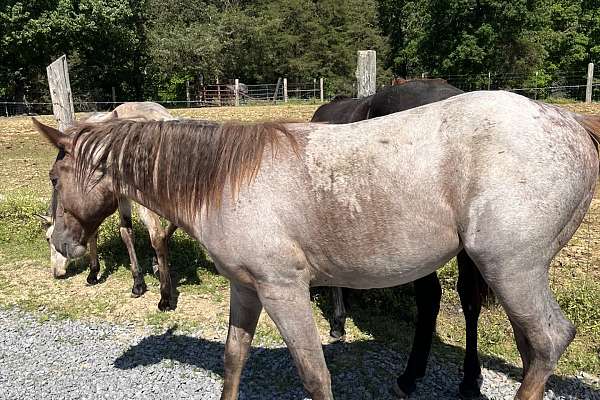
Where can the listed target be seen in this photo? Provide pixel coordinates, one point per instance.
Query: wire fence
(569, 86)
(560, 86)
(197, 95)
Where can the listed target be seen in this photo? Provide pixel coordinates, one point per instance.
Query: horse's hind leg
(543, 333)
(428, 294)
(159, 237)
(92, 278)
(338, 320)
(126, 230)
(470, 293)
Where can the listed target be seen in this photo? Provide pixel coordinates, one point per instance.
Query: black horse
(471, 287)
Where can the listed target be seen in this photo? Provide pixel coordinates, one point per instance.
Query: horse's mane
(186, 163)
(340, 97)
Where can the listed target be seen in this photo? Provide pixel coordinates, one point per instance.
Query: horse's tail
(591, 123)
(488, 298)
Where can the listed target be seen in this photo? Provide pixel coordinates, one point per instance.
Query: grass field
(26, 282)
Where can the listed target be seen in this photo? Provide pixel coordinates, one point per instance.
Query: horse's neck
(150, 200)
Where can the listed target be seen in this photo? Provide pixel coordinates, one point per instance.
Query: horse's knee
(159, 239)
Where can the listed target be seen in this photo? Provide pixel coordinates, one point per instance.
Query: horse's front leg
(159, 237)
(428, 294)
(288, 305)
(92, 278)
(126, 230)
(338, 320)
(470, 294)
(244, 311)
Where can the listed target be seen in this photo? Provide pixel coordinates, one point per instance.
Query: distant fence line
(568, 85)
(213, 95)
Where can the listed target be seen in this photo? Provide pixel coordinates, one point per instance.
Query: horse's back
(409, 95)
(136, 110)
(342, 111)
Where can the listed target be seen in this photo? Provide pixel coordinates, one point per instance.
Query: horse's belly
(382, 265)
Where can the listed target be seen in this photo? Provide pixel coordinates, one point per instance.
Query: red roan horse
(377, 203)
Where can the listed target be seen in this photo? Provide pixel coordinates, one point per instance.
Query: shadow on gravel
(359, 370)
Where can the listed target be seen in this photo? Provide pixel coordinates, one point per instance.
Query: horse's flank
(191, 161)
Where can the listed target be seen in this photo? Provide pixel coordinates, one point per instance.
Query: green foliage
(149, 48)
(103, 40)
(525, 42)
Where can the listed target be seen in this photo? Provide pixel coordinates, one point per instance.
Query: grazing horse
(471, 287)
(377, 203)
(159, 236)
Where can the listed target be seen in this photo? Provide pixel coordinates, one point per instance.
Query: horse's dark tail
(488, 298)
(471, 283)
(591, 123)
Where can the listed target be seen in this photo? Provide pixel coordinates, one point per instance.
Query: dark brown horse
(390, 99)
(377, 203)
(471, 287)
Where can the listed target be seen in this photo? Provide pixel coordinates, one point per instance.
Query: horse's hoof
(165, 305)
(469, 392)
(404, 386)
(336, 335)
(399, 393)
(338, 339)
(138, 290)
(92, 279)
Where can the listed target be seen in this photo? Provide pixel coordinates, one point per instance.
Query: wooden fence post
(590, 81)
(321, 89)
(60, 91)
(187, 92)
(114, 95)
(276, 92)
(285, 93)
(366, 73)
(237, 92)
(218, 92)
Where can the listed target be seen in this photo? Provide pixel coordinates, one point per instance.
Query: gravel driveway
(62, 359)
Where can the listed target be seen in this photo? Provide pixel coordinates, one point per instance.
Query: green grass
(21, 234)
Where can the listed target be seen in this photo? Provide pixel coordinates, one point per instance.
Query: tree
(100, 38)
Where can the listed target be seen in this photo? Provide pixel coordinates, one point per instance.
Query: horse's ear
(56, 137)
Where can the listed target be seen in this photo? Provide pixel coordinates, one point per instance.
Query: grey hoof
(398, 392)
(339, 339)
